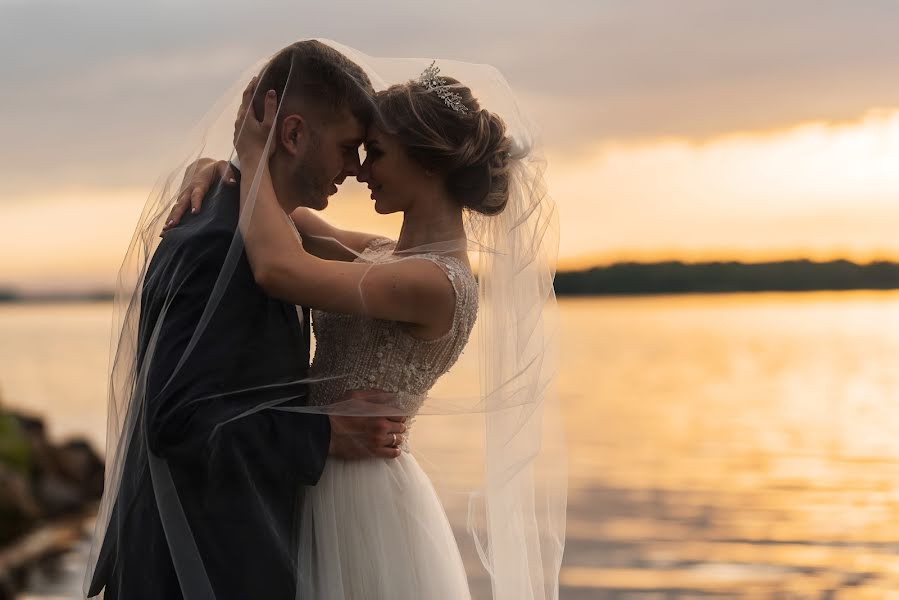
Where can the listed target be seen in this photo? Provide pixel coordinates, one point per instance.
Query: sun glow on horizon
(814, 191)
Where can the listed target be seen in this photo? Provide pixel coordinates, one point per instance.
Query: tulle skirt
(376, 530)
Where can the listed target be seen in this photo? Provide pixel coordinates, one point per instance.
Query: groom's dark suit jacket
(238, 488)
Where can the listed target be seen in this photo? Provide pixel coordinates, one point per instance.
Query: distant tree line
(673, 277)
(677, 277)
(10, 295)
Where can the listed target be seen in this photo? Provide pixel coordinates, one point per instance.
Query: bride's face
(394, 179)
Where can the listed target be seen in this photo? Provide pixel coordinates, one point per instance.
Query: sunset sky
(686, 130)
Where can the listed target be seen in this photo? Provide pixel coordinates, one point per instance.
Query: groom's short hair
(312, 74)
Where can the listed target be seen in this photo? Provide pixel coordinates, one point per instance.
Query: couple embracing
(239, 468)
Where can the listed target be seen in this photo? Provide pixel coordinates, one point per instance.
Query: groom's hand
(358, 437)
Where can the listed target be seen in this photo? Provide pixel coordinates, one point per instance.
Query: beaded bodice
(355, 352)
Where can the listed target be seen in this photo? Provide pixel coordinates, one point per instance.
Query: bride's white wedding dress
(375, 529)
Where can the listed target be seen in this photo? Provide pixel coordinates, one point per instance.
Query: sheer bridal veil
(490, 433)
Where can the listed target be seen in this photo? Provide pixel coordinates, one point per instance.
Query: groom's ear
(292, 133)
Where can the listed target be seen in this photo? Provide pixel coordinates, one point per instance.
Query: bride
(406, 313)
(395, 315)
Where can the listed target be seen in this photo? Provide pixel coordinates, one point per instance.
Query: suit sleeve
(189, 417)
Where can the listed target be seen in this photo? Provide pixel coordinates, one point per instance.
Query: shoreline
(49, 494)
(45, 544)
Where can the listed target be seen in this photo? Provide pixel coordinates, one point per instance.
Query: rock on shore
(42, 484)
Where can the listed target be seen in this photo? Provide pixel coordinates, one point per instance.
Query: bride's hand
(199, 177)
(359, 437)
(250, 134)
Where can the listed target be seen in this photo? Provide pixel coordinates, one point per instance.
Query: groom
(210, 487)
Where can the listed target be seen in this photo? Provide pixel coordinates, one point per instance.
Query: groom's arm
(188, 418)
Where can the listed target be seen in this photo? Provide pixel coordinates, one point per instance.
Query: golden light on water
(740, 445)
(772, 468)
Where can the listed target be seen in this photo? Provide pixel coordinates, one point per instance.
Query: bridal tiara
(430, 80)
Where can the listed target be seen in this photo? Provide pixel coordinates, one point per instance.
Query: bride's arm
(413, 291)
(327, 241)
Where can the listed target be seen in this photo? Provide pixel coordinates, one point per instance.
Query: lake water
(721, 446)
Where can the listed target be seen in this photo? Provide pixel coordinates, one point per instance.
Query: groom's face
(332, 155)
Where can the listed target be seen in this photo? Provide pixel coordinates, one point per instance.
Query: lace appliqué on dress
(355, 352)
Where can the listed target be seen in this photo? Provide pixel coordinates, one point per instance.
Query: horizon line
(39, 289)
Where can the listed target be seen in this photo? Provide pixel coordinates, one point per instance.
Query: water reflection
(737, 446)
(733, 446)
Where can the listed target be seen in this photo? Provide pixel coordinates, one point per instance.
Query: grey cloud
(84, 84)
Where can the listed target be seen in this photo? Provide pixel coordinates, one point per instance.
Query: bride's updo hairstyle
(468, 145)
